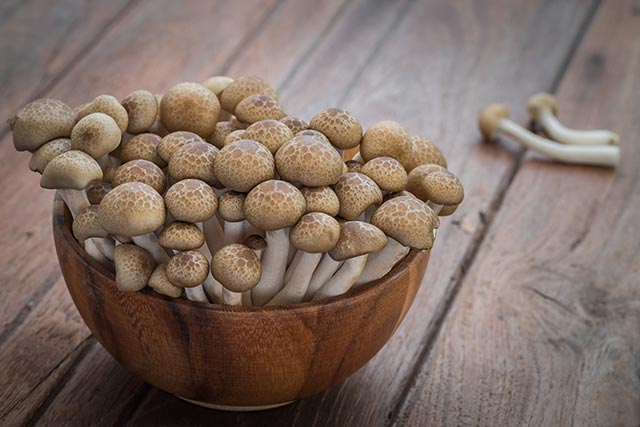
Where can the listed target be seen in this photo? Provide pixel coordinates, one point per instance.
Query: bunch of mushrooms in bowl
(210, 192)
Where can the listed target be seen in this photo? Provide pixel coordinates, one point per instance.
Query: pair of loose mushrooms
(212, 192)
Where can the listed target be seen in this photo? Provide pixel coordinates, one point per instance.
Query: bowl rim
(62, 224)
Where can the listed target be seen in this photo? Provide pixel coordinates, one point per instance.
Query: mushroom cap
(295, 124)
(425, 152)
(134, 267)
(447, 210)
(143, 146)
(356, 193)
(230, 206)
(256, 242)
(489, 117)
(85, 224)
(72, 169)
(254, 108)
(270, 133)
(340, 126)
(242, 88)
(175, 140)
(321, 199)
(309, 161)
(142, 110)
(237, 267)
(141, 171)
(386, 138)
(273, 205)
(407, 220)
(353, 166)
(191, 200)
(190, 107)
(187, 269)
(387, 172)
(96, 191)
(181, 236)
(542, 100)
(357, 238)
(96, 134)
(234, 136)
(108, 105)
(159, 283)
(217, 84)
(132, 209)
(47, 151)
(315, 232)
(315, 134)
(436, 184)
(40, 121)
(222, 130)
(194, 160)
(243, 164)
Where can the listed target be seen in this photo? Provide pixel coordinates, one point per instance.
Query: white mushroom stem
(196, 294)
(274, 264)
(344, 278)
(105, 245)
(246, 295)
(92, 250)
(561, 133)
(598, 155)
(213, 289)
(210, 288)
(291, 255)
(230, 297)
(249, 230)
(76, 200)
(435, 207)
(357, 157)
(149, 242)
(296, 287)
(213, 234)
(369, 213)
(381, 262)
(233, 232)
(291, 265)
(327, 267)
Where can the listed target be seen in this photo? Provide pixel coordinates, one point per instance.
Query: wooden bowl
(235, 358)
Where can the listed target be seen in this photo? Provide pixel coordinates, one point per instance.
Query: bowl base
(235, 408)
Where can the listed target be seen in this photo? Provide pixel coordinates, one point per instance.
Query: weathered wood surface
(546, 329)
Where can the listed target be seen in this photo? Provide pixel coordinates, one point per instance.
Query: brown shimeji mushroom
(295, 124)
(357, 193)
(386, 138)
(142, 110)
(309, 161)
(222, 130)
(97, 191)
(230, 210)
(217, 84)
(353, 166)
(173, 141)
(493, 121)
(39, 122)
(270, 133)
(181, 236)
(238, 269)
(255, 108)
(189, 107)
(340, 126)
(141, 171)
(424, 152)
(241, 88)
(159, 283)
(234, 136)
(435, 185)
(257, 244)
(144, 147)
(87, 229)
(321, 199)
(108, 105)
(134, 267)
(387, 173)
(43, 155)
(243, 164)
(187, 269)
(194, 160)
(96, 134)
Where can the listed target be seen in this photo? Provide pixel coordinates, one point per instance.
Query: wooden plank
(545, 329)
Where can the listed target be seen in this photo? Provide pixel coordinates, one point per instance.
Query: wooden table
(530, 311)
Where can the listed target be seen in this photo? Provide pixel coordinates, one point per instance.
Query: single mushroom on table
(436, 186)
(238, 269)
(494, 120)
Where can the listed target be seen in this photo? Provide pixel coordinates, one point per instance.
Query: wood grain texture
(546, 328)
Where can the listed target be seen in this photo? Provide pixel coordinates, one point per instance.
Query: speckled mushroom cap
(47, 151)
(353, 166)
(356, 193)
(234, 136)
(273, 205)
(321, 199)
(41, 121)
(340, 126)
(387, 172)
(85, 224)
(191, 200)
(175, 140)
(96, 134)
(131, 209)
(357, 238)
(143, 146)
(96, 191)
(222, 130)
(542, 100)
(448, 210)
(231, 206)
(141, 171)
(315, 134)
(386, 138)
(425, 152)
(315, 232)
(237, 267)
(142, 110)
(407, 220)
(190, 107)
(134, 266)
(159, 283)
(181, 236)
(309, 161)
(72, 169)
(489, 118)
(243, 164)
(270, 133)
(217, 84)
(194, 160)
(187, 269)
(435, 184)
(295, 124)
(258, 107)
(108, 105)
(242, 88)
(256, 242)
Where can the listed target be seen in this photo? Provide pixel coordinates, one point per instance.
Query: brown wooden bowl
(236, 358)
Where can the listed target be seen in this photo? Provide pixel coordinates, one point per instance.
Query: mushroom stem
(213, 234)
(213, 289)
(76, 200)
(561, 133)
(598, 155)
(94, 252)
(435, 207)
(230, 297)
(105, 245)
(291, 266)
(233, 232)
(357, 158)
(196, 294)
(274, 264)
(149, 242)
(327, 267)
(344, 278)
(381, 262)
(296, 287)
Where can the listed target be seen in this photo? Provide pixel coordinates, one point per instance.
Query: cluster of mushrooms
(211, 192)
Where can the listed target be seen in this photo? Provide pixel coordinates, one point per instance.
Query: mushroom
(222, 130)
(41, 121)
(43, 155)
(436, 186)
(142, 110)
(189, 107)
(141, 171)
(238, 269)
(257, 244)
(357, 193)
(217, 84)
(424, 152)
(273, 206)
(230, 209)
(255, 108)
(96, 134)
(493, 121)
(194, 160)
(387, 173)
(340, 126)
(143, 146)
(543, 107)
(309, 161)
(270, 133)
(387, 138)
(134, 267)
(187, 269)
(87, 229)
(353, 166)
(295, 124)
(97, 191)
(241, 88)
(173, 141)
(108, 105)
(181, 236)
(314, 234)
(357, 240)
(234, 136)
(321, 199)
(243, 164)
(159, 283)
